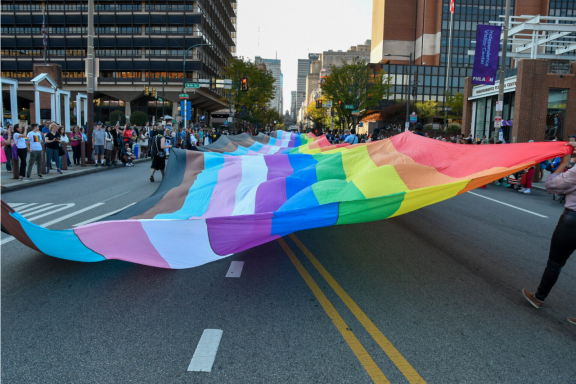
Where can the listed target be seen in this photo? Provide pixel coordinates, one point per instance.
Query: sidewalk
(12, 184)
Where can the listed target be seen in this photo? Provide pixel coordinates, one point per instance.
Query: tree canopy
(357, 85)
(426, 109)
(252, 105)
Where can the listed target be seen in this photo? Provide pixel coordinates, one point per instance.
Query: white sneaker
(522, 189)
(127, 164)
(526, 191)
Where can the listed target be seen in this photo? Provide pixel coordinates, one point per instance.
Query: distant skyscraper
(274, 66)
(303, 70)
(293, 109)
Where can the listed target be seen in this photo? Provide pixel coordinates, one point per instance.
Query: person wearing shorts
(157, 147)
(98, 142)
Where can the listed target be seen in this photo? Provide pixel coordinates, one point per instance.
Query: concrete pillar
(128, 108)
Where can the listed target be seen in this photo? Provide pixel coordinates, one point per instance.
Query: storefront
(539, 103)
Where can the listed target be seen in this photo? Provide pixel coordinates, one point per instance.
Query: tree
(138, 117)
(316, 115)
(426, 109)
(252, 103)
(355, 84)
(118, 116)
(456, 103)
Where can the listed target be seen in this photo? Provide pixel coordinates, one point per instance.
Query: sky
(292, 29)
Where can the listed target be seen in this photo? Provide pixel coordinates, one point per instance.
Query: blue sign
(486, 54)
(188, 109)
(202, 118)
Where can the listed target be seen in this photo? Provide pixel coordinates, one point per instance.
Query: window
(556, 114)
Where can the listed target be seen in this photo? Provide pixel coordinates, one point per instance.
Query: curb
(93, 169)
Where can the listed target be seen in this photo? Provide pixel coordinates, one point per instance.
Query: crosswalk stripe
(8, 239)
(102, 216)
(30, 209)
(26, 205)
(36, 211)
(14, 205)
(65, 206)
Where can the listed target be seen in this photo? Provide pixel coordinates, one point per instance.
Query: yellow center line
(403, 365)
(365, 359)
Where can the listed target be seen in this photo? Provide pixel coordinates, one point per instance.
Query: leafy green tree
(456, 103)
(426, 109)
(355, 84)
(317, 116)
(137, 117)
(118, 115)
(254, 102)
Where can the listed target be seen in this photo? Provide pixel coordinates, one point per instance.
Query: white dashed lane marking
(235, 269)
(205, 353)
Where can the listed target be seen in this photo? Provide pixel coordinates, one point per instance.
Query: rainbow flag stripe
(243, 191)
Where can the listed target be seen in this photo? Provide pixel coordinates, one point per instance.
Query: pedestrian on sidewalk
(563, 244)
(76, 142)
(158, 155)
(20, 142)
(143, 142)
(35, 149)
(64, 139)
(127, 155)
(109, 146)
(528, 184)
(7, 146)
(3, 158)
(98, 142)
(45, 127)
(52, 140)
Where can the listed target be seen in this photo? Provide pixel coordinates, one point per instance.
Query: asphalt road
(441, 284)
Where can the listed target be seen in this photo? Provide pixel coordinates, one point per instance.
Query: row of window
(157, 75)
(101, 30)
(98, 7)
(40, 52)
(99, 53)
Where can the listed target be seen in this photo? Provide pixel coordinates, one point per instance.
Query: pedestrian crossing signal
(146, 91)
(244, 85)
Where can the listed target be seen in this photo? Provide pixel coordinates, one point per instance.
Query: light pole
(409, 88)
(184, 71)
(90, 80)
(502, 67)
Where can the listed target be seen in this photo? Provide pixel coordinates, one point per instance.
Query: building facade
(136, 44)
(274, 66)
(338, 58)
(293, 105)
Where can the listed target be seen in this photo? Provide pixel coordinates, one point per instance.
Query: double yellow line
(357, 348)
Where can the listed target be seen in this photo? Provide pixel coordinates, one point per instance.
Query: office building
(136, 44)
(303, 71)
(274, 66)
(293, 105)
(338, 58)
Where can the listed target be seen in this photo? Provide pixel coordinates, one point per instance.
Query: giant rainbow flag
(243, 191)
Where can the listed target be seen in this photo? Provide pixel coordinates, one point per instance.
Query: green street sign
(355, 112)
(160, 99)
(192, 85)
(349, 106)
(183, 96)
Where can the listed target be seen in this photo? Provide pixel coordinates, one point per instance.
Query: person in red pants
(528, 185)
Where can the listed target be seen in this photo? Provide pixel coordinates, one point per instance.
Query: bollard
(65, 156)
(43, 158)
(15, 167)
(82, 153)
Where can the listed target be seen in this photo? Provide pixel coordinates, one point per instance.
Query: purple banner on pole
(486, 57)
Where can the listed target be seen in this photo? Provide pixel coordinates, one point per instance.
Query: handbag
(14, 151)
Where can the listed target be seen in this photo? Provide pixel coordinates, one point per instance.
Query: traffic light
(153, 92)
(340, 103)
(319, 103)
(146, 91)
(244, 85)
(213, 83)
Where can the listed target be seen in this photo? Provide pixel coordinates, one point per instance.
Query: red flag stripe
(451, 6)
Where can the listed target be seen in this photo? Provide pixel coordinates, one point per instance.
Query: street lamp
(409, 86)
(184, 71)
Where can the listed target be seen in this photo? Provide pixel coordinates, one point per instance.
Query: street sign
(349, 106)
(497, 121)
(499, 106)
(192, 85)
(413, 117)
(407, 125)
(160, 99)
(435, 126)
(328, 104)
(183, 96)
(355, 112)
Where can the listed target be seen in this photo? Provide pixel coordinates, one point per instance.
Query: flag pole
(502, 69)
(448, 60)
